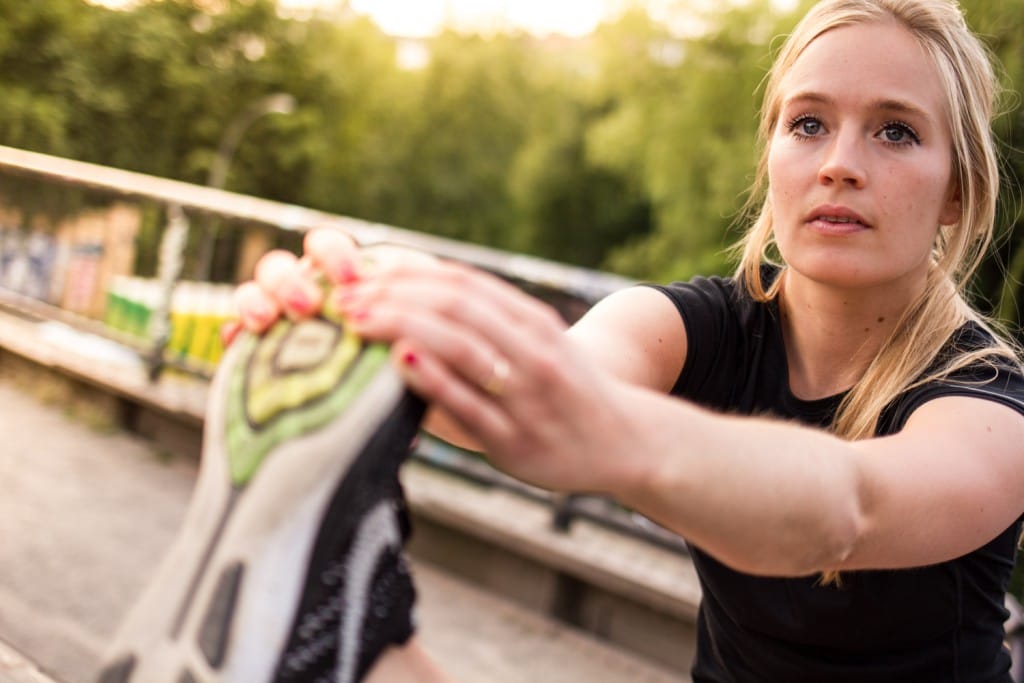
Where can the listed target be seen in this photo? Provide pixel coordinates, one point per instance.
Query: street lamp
(278, 103)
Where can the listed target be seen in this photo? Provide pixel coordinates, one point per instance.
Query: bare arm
(637, 335)
(586, 410)
(764, 496)
(775, 498)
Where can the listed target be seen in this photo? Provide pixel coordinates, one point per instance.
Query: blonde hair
(906, 359)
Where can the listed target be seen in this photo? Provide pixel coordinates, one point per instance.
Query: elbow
(825, 547)
(844, 531)
(843, 539)
(826, 544)
(837, 533)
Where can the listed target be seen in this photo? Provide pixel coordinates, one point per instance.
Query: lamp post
(278, 103)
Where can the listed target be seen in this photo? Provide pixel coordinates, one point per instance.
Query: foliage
(690, 137)
(1001, 24)
(631, 150)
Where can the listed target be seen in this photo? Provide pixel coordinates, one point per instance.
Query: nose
(843, 163)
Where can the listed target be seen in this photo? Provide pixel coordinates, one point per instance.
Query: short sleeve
(729, 339)
(703, 305)
(997, 380)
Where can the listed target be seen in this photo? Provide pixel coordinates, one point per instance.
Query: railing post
(169, 265)
(564, 509)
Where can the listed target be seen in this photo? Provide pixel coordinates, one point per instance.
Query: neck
(832, 333)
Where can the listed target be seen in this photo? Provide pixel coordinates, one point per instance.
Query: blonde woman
(836, 432)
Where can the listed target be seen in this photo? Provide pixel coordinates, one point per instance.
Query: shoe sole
(289, 414)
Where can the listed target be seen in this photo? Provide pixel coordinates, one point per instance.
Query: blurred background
(616, 137)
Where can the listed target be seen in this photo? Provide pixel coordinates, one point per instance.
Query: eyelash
(793, 124)
(914, 139)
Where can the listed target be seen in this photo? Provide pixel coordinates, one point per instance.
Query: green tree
(464, 118)
(1000, 25)
(572, 209)
(686, 128)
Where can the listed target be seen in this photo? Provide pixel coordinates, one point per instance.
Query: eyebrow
(888, 105)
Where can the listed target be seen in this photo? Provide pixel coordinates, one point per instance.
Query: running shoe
(289, 565)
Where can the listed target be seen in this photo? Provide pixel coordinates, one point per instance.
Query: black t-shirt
(937, 623)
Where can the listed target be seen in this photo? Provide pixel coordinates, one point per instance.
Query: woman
(839, 437)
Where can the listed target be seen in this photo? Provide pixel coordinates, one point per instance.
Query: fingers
(228, 331)
(333, 252)
(336, 254)
(257, 310)
(289, 283)
(471, 358)
(464, 301)
(386, 258)
(433, 380)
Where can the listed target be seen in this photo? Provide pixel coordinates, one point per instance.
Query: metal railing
(70, 268)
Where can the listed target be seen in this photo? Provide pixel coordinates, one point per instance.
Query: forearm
(763, 496)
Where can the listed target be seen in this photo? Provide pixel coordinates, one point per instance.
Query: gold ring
(495, 384)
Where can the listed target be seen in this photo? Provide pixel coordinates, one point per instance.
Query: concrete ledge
(628, 592)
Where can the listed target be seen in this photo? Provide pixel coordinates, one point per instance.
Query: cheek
(780, 178)
(916, 203)
(919, 197)
(791, 170)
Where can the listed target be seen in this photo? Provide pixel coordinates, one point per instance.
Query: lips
(839, 217)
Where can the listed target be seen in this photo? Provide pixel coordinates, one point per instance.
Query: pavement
(87, 512)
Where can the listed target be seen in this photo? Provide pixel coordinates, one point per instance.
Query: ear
(952, 210)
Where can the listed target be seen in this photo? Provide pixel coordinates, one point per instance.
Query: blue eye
(899, 134)
(805, 126)
(810, 127)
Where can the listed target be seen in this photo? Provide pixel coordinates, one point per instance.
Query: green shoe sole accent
(292, 381)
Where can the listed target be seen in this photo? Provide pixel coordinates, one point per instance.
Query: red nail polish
(348, 273)
(299, 302)
(410, 359)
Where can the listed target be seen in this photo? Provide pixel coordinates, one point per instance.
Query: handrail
(588, 285)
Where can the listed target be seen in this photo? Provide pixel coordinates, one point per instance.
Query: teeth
(836, 219)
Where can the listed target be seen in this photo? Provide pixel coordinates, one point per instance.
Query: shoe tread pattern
(216, 628)
(293, 380)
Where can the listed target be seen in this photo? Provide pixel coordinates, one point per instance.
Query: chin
(839, 272)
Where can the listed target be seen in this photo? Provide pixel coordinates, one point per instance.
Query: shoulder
(713, 302)
(636, 334)
(704, 291)
(950, 455)
(965, 368)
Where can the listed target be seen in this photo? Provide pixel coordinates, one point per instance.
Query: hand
(286, 285)
(498, 363)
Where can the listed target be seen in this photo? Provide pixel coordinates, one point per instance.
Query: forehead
(869, 62)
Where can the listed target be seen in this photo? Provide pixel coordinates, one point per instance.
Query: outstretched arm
(586, 410)
(762, 495)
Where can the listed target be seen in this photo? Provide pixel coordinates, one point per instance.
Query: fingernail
(410, 359)
(348, 273)
(299, 302)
